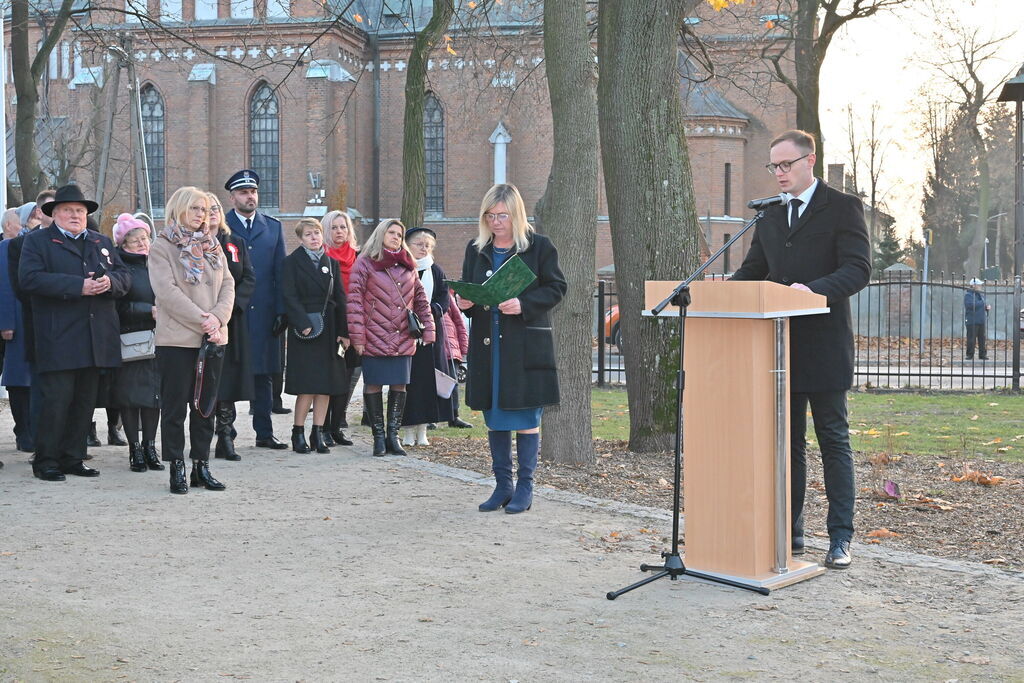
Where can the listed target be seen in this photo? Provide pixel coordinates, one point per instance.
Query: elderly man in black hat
(73, 276)
(265, 241)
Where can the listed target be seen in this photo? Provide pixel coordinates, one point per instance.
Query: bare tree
(568, 214)
(811, 29)
(967, 50)
(648, 180)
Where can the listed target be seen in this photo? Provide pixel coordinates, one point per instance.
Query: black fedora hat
(66, 195)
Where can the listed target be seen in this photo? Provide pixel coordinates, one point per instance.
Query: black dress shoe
(838, 556)
(80, 470)
(340, 437)
(281, 411)
(49, 474)
(271, 442)
(797, 545)
(459, 423)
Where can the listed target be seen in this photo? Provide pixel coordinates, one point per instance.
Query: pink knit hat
(125, 224)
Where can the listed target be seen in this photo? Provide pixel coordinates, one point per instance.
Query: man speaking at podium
(817, 241)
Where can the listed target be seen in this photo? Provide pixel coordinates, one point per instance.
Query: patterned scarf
(196, 250)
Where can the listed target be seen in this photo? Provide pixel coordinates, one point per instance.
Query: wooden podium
(736, 428)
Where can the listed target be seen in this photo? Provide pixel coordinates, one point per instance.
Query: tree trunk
(27, 74)
(568, 215)
(655, 231)
(414, 164)
(808, 72)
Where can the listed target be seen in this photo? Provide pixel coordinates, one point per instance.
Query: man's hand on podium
(801, 287)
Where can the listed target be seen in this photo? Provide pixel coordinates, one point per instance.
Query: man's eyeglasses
(784, 166)
(496, 216)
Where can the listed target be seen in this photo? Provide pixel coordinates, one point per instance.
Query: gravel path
(347, 567)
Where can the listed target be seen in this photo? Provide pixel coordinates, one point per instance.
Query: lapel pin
(325, 270)
(104, 251)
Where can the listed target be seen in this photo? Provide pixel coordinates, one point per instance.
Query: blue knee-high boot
(501, 464)
(527, 446)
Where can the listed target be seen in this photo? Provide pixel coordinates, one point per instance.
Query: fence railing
(909, 333)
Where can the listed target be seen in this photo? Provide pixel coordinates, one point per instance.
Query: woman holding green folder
(512, 372)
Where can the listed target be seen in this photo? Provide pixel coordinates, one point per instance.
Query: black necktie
(248, 225)
(794, 212)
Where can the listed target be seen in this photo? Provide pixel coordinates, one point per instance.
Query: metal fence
(909, 333)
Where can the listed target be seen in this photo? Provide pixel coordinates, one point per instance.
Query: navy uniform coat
(828, 251)
(529, 378)
(265, 243)
(72, 331)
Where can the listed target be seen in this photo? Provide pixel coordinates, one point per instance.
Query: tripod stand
(673, 566)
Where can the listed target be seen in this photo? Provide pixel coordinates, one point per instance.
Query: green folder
(506, 283)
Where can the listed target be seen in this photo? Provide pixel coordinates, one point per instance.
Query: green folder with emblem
(506, 283)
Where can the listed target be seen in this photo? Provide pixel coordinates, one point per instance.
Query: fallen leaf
(882, 533)
(973, 418)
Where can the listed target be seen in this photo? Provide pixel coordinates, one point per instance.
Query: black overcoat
(422, 404)
(314, 366)
(528, 375)
(72, 331)
(828, 251)
(136, 383)
(13, 264)
(236, 375)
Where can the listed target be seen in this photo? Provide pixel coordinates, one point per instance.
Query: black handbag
(209, 363)
(416, 328)
(317, 320)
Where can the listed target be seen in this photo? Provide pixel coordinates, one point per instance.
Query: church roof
(702, 100)
(402, 17)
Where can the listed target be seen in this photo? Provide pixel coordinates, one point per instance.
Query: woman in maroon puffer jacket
(383, 286)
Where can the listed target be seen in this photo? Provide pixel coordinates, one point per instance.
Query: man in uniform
(816, 242)
(73, 276)
(265, 241)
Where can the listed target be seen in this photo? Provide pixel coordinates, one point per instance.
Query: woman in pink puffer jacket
(383, 286)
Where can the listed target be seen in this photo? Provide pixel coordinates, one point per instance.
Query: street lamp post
(1013, 91)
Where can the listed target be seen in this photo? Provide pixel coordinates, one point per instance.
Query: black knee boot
(396, 408)
(225, 427)
(374, 405)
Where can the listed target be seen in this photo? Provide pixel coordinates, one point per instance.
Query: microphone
(765, 202)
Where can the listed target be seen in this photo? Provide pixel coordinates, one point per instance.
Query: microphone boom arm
(685, 284)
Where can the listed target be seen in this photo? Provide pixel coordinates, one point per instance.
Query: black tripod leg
(728, 582)
(611, 595)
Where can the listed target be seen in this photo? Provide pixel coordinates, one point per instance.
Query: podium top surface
(740, 299)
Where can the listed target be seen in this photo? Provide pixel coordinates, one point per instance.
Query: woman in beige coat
(194, 297)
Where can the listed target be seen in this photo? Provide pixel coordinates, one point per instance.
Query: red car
(612, 332)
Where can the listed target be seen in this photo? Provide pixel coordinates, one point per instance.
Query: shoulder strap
(401, 296)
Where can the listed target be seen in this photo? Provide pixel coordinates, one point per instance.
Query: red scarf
(345, 255)
(394, 258)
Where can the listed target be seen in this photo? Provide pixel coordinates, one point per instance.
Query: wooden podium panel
(731, 405)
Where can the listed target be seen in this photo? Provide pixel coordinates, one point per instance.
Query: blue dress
(499, 420)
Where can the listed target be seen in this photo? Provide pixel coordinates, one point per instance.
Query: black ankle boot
(178, 482)
(114, 437)
(375, 416)
(299, 444)
(136, 457)
(92, 441)
(316, 435)
(152, 457)
(201, 476)
(396, 408)
(325, 434)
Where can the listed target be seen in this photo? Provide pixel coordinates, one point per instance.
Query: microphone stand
(673, 566)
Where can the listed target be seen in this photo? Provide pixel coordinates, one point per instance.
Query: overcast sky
(884, 59)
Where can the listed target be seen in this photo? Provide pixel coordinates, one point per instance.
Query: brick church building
(313, 101)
